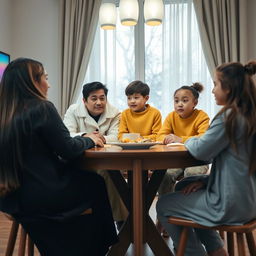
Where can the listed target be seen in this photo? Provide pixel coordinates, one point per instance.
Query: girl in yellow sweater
(140, 117)
(184, 122)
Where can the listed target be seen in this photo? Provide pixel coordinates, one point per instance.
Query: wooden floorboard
(5, 226)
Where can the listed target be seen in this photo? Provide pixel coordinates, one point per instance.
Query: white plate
(142, 145)
(175, 144)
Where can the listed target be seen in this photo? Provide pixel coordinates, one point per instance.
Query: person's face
(96, 102)
(219, 94)
(184, 103)
(136, 102)
(44, 84)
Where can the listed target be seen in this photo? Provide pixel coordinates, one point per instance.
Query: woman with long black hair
(39, 185)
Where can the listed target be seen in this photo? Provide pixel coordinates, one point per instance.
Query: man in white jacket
(96, 115)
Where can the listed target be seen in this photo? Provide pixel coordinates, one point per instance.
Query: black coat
(51, 188)
(46, 182)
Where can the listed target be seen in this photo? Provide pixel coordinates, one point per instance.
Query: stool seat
(246, 228)
(239, 230)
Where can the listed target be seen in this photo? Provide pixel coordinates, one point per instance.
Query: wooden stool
(23, 237)
(238, 230)
(22, 243)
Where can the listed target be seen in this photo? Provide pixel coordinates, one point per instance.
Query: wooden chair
(22, 242)
(23, 238)
(246, 229)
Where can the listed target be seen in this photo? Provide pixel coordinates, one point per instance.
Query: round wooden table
(139, 192)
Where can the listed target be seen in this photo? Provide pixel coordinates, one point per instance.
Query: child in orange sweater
(140, 117)
(184, 122)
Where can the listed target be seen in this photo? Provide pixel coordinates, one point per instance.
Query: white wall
(5, 27)
(251, 29)
(35, 26)
(30, 28)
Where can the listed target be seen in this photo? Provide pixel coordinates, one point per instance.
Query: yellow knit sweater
(194, 125)
(147, 122)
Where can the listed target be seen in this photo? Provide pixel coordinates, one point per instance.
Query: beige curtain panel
(222, 27)
(79, 19)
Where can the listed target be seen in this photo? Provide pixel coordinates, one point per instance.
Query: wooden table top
(113, 151)
(156, 157)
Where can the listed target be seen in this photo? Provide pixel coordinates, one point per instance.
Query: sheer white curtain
(173, 57)
(112, 62)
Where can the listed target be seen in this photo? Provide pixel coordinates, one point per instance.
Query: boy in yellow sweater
(140, 117)
(183, 123)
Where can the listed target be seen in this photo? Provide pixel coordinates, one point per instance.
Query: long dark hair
(241, 100)
(19, 84)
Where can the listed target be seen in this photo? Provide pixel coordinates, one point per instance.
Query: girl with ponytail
(228, 195)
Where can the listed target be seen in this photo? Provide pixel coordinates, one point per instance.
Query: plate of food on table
(134, 142)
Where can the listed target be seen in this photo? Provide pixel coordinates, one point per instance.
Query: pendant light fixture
(153, 12)
(129, 12)
(107, 16)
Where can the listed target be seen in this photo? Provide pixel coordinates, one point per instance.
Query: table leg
(124, 236)
(142, 225)
(152, 236)
(137, 208)
(155, 241)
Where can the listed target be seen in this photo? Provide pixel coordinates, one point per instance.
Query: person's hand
(193, 187)
(96, 137)
(171, 138)
(100, 135)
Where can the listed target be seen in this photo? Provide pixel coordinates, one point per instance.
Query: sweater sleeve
(123, 128)
(165, 129)
(201, 126)
(55, 134)
(157, 123)
(209, 145)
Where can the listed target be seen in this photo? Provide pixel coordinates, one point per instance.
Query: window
(166, 56)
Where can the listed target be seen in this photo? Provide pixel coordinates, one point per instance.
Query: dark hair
(137, 87)
(195, 88)
(91, 87)
(241, 100)
(18, 85)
